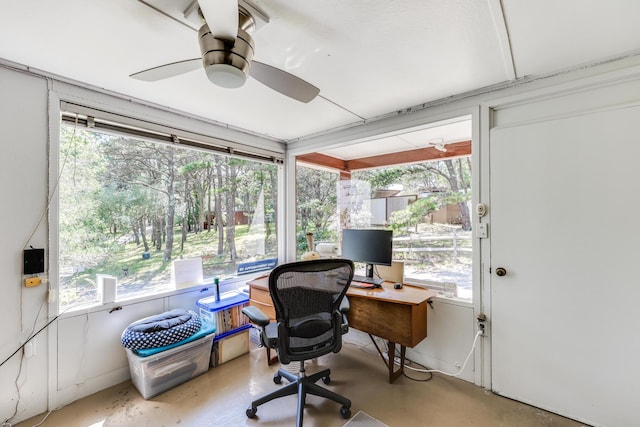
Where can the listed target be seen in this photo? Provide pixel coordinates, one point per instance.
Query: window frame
(200, 139)
(434, 285)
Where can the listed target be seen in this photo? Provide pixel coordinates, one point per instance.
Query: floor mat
(362, 419)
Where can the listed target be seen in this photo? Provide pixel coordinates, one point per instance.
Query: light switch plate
(482, 230)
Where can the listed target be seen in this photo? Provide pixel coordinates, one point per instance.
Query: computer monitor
(373, 247)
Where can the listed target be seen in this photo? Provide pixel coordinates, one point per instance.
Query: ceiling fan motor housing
(227, 64)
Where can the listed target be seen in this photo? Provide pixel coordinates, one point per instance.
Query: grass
(139, 275)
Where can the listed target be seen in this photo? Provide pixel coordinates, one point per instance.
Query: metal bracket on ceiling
(186, 11)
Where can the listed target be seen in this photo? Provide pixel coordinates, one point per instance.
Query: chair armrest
(344, 305)
(344, 309)
(256, 316)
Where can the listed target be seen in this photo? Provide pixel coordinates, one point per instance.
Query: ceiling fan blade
(168, 70)
(283, 82)
(222, 18)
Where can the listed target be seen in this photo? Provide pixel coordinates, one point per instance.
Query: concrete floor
(221, 396)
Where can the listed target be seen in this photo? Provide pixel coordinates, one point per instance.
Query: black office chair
(310, 304)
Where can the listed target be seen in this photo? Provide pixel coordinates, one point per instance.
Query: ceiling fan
(227, 50)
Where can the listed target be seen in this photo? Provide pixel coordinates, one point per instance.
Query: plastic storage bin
(157, 373)
(226, 314)
(230, 347)
(232, 327)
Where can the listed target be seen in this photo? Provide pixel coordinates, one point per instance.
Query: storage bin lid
(227, 299)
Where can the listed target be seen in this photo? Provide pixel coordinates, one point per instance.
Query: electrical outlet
(30, 349)
(482, 324)
(482, 328)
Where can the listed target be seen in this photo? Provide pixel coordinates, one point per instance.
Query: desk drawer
(400, 323)
(265, 308)
(260, 295)
(262, 299)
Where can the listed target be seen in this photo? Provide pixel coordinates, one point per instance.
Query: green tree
(450, 177)
(316, 204)
(414, 214)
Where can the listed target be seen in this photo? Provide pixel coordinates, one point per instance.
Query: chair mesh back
(306, 297)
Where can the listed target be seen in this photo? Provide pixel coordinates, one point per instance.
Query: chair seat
(311, 326)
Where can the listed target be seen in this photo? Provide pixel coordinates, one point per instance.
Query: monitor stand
(369, 270)
(368, 278)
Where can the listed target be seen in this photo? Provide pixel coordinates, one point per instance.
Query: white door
(565, 225)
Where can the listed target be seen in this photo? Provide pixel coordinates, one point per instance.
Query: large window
(129, 206)
(427, 205)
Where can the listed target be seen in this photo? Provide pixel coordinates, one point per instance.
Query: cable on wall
(26, 244)
(31, 335)
(455, 374)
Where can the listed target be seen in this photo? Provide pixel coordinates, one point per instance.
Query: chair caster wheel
(251, 412)
(277, 379)
(345, 412)
(326, 379)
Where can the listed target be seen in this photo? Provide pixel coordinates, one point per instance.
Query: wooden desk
(396, 315)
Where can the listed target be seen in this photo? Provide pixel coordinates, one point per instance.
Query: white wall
(24, 183)
(450, 335)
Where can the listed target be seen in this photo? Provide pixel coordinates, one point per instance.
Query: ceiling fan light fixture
(226, 54)
(226, 75)
(226, 64)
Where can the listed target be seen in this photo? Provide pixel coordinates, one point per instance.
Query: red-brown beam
(455, 149)
(322, 160)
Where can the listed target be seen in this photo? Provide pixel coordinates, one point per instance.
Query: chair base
(302, 385)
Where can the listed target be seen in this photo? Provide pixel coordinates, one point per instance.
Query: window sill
(463, 302)
(207, 289)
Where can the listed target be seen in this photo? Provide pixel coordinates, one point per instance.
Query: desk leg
(393, 375)
(271, 359)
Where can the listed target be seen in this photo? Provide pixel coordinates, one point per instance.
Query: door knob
(501, 271)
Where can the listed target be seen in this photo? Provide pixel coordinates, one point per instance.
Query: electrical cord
(55, 187)
(35, 321)
(473, 346)
(43, 420)
(408, 365)
(375, 271)
(32, 336)
(6, 423)
(429, 378)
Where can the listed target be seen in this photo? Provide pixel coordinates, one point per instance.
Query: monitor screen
(373, 247)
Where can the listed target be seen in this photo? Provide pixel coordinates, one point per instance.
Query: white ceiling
(436, 134)
(369, 58)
